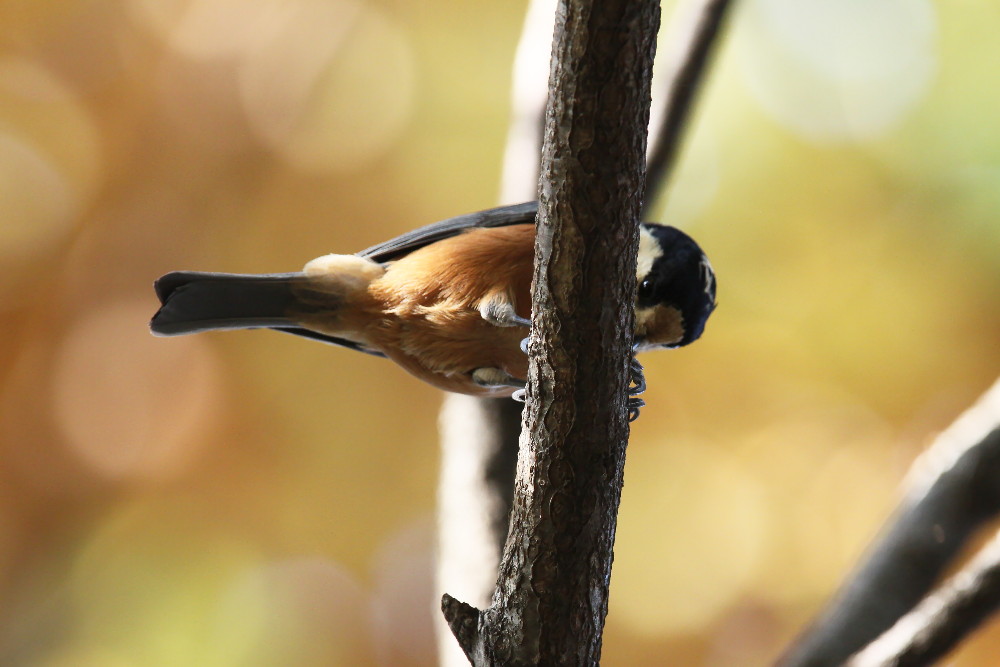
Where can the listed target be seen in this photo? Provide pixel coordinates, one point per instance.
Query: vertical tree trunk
(552, 592)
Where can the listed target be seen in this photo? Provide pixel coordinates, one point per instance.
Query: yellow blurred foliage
(254, 499)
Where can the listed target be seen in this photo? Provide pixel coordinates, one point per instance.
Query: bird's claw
(637, 385)
(636, 377)
(633, 406)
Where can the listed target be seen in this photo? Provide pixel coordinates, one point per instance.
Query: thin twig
(953, 492)
(943, 619)
(693, 35)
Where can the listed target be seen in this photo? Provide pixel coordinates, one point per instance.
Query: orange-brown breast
(425, 313)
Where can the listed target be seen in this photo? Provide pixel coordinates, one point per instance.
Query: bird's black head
(676, 292)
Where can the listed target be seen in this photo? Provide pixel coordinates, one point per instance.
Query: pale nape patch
(332, 300)
(708, 276)
(338, 267)
(649, 252)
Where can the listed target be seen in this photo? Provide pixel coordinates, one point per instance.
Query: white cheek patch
(649, 252)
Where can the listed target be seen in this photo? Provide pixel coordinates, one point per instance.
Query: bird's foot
(495, 378)
(500, 312)
(637, 385)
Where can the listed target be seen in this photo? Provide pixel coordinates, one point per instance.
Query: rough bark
(552, 591)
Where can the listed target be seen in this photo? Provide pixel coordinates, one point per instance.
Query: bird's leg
(521, 394)
(500, 312)
(495, 378)
(637, 385)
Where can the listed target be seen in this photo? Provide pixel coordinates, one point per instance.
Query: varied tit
(448, 302)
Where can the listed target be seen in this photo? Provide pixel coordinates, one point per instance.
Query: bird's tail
(193, 301)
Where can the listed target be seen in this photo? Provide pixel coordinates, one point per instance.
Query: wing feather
(503, 216)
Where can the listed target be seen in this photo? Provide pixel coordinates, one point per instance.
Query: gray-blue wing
(503, 216)
(517, 214)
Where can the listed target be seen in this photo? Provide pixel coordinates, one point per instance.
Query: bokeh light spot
(43, 111)
(305, 611)
(333, 90)
(403, 568)
(214, 28)
(838, 69)
(148, 582)
(37, 201)
(109, 398)
(48, 167)
(820, 462)
(710, 523)
(204, 29)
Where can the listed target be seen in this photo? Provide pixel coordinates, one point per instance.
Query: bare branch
(552, 592)
(953, 492)
(943, 619)
(692, 36)
(529, 92)
(523, 140)
(463, 620)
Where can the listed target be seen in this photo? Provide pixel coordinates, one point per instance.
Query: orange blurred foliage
(243, 499)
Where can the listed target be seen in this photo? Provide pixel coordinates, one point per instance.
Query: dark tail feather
(194, 301)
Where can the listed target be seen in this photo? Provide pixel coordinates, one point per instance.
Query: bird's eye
(645, 288)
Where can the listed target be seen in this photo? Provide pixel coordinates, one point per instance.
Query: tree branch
(694, 32)
(552, 591)
(953, 492)
(943, 619)
(478, 456)
(479, 438)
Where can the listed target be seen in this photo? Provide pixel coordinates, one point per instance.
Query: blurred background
(250, 498)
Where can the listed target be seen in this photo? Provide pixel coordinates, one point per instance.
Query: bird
(449, 302)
